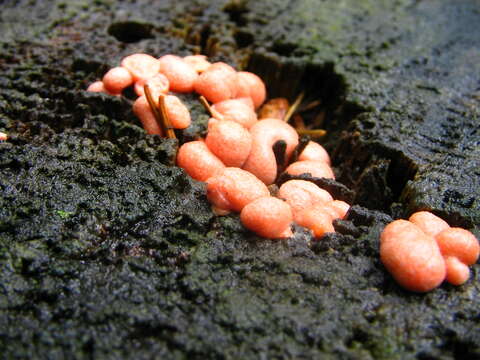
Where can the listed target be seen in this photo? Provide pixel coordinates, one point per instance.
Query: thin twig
(310, 106)
(210, 110)
(163, 111)
(294, 106)
(160, 116)
(314, 133)
(153, 107)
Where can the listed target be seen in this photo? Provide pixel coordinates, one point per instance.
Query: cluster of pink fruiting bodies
(236, 158)
(237, 162)
(424, 251)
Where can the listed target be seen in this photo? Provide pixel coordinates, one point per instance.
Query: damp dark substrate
(109, 251)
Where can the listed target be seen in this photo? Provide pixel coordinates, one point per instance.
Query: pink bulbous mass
(198, 62)
(142, 110)
(236, 110)
(180, 74)
(261, 161)
(315, 168)
(177, 112)
(301, 194)
(317, 218)
(428, 222)
(412, 257)
(250, 85)
(229, 141)
(234, 188)
(268, 217)
(198, 161)
(217, 83)
(314, 151)
(141, 66)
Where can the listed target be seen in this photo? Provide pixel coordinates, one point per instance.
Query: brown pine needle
(314, 133)
(160, 117)
(298, 122)
(168, 125)
(310, 106)
(294, 107)
(153, 107)
(210, 110)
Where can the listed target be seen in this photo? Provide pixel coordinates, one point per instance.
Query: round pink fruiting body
(261, 162)
(249, 84)
(247, 101)
(180, 74)
(301, 194)
(97, 86)
(317, 218)
(217, 83)
(177, 112)
(412, 257)
(341, 208)
(198, 161)
(459, 243)
(428, 222)
(234, 188)
(198, 62)
(142, 110)
(457, 272)
(117, 79)
(314, 151)
(315, 168)
(229, 141)
(268, 217)
(236, 110)
(141, 66)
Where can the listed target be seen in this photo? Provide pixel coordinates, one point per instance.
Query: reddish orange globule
(268, 217)
(234, 188)
(198, 161)
(265, 133)
(412, 257)
(141, 66)
(180, 74)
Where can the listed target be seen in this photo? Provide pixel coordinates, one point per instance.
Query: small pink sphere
(177, 112)
(314, 151)
(429, 223)
(236, 110)
(96, 86)
(268, 217)
(117, 79)
(234, 188)
(142, 110)
(249, 84)
(198, 62)
(301, 194)
(317, 218)
(230, 141)
(459, 243)
(141, 66)
(217, 83)
(457, 272)
(318, 169)
(180, 74)
(198, 161)
(261, 162)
